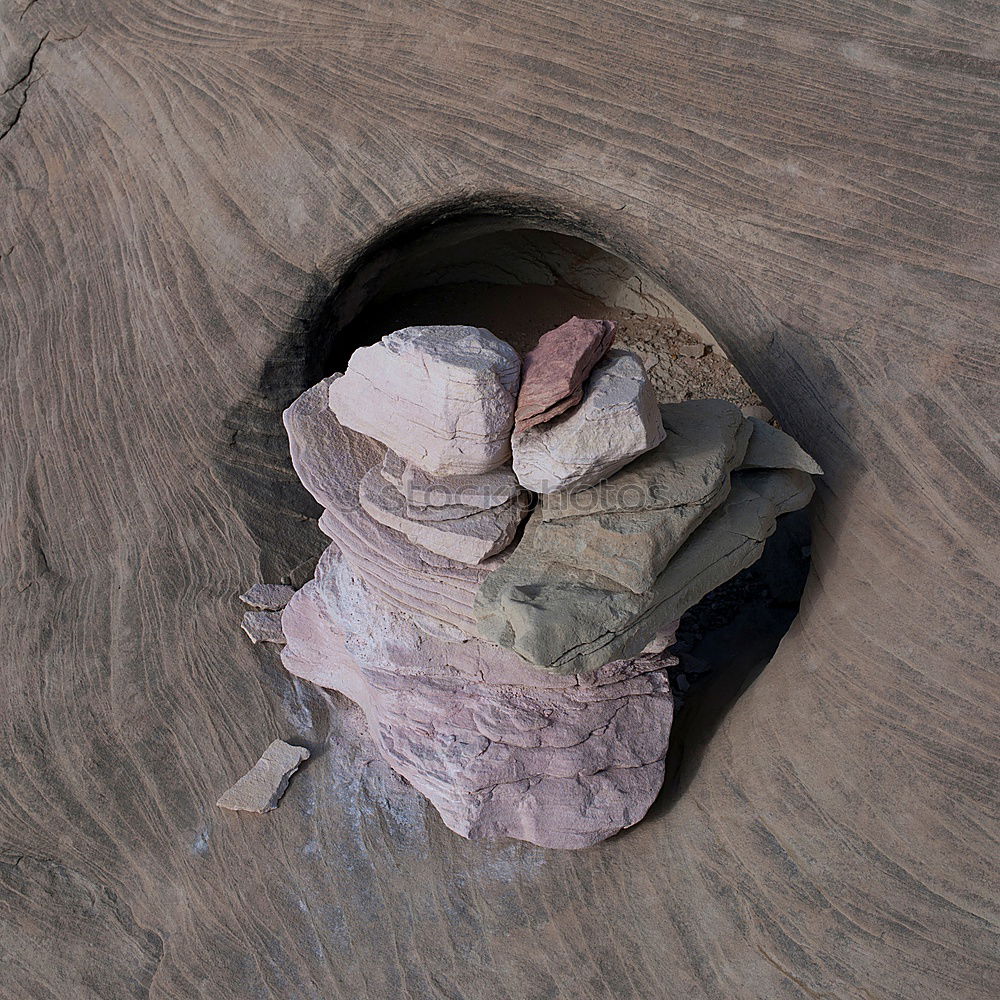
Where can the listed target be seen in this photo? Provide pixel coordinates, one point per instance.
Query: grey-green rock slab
(628, 527)
(561, 620)
(770, 448)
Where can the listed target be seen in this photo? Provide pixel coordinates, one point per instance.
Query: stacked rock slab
(442, 397)
(594, 584)
(331, 461)
(499, 748)
(616, 421)
(555, 370)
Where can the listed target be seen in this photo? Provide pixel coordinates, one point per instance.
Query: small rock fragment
(420, 490)
(555, 370)
(616, 421)
(263, 626)
(263, 785)
(691, 350)
(268, 596)
(441, 397)
(760, 412)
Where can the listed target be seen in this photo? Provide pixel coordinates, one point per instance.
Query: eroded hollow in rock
(519, 282)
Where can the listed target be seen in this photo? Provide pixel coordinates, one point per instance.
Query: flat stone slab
(268, 596)
(263, 626)
(555, 370)
(569, 621)
(423, 491)
(263, 785)
(441, 397)
(617, 420)
(469, 538)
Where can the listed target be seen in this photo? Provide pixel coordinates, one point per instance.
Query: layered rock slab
(442, 397)
(424, 493)
(263, 785)
(499, 748)
(616, 421)
(330, 461)
(570, 621)
(555, 370)
(466, 534)
(628, 527)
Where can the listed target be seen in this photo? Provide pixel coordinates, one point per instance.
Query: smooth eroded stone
(569, 621)
(422, 491)
(555, 370)
(263, 626)
(331, 460)
(263, 785)
(268, 596)
(441, 397)
(499, 748)
(469, 539)
(628, 527)
(617, 420)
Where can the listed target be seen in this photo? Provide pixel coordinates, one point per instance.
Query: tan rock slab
(263, 785)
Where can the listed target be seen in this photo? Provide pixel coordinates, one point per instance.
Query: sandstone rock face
(555, 370)
(499, 748)
(263, 785)
(442, 397)
(616, 421)
(463, 533)
(331, 460)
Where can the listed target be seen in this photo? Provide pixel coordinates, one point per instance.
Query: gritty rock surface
(465, 534)
(263, 785)
(263, 626)
(499, 748)
(616, 421)
(422, 491)
(268, 596)
(554, 372)
(441, 397)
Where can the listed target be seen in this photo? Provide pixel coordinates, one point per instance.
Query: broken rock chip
(263, 785)
(441, 397)
(499, 748)
(555, 370)
(770, 448)
(268, 596)
(468, 539)
(617, 420)
(263, 626)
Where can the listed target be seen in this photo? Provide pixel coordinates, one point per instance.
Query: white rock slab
(441, 397)
(263, 785)
(617, 420)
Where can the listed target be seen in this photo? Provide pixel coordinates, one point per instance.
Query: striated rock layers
(499, 748)
(598, 574)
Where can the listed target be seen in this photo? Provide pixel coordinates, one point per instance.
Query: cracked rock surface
(499, 748)
(442, 397)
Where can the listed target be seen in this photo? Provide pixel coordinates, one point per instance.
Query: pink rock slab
(499, 748)
(554, 372)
